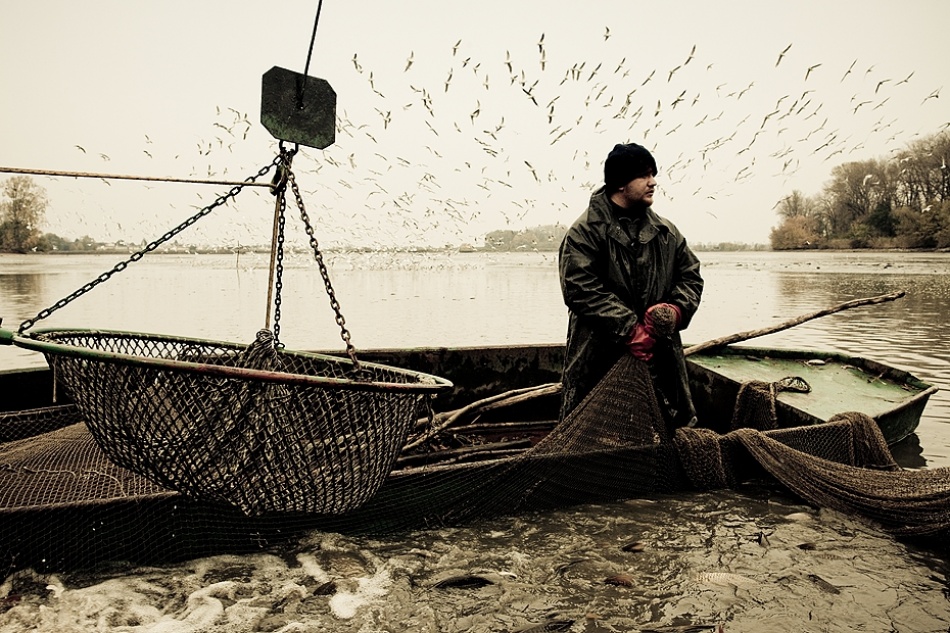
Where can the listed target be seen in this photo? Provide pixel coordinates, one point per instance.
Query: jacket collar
(601, 211)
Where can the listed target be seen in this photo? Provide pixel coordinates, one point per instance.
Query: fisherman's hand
(663, 319)
(641, 342)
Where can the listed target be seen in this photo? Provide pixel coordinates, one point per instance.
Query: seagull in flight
(690, 56)
(781, 55)
(848, 72)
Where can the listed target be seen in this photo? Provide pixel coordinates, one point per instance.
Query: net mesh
(68, 500)
(262, 446)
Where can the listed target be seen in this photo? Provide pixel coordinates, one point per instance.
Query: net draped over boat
(68, 499)
(844, 464)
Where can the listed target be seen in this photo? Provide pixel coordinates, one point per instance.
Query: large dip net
(263, 429)
(243, 430)
(66, 500)
(257, 427)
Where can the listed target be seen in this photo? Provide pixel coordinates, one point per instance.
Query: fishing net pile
(223, 464)
(844, 464)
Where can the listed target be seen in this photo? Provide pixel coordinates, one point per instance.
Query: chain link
(318, 255)
(284, 168)
(149, 248)
(282, 162)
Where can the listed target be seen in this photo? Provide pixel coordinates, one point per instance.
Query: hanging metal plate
(297, 108)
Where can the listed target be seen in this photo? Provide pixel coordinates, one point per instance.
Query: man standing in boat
(630, 283)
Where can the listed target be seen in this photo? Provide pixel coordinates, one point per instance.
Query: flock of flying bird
(504, 142)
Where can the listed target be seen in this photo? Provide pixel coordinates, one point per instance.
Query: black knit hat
(626, 162)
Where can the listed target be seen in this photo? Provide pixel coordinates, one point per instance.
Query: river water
(750, 560)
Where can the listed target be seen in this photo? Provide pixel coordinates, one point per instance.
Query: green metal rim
(426, 384)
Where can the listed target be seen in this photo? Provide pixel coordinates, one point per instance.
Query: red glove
(641, 342)
(663, 319)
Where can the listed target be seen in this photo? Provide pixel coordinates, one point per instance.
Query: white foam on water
(56, 587)
(345, 604)
(115, 604)
(311, 567)
(203, 609)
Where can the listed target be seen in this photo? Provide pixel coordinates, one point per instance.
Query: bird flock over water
(441, 147)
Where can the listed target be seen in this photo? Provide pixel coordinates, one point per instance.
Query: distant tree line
(539, 238)
(899, 202)
(548, 238)
(22, 212)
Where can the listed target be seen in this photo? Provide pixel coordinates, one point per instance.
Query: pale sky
(439, 140)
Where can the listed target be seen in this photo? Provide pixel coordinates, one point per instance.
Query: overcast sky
(455, 119)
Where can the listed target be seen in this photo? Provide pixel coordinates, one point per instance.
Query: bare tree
(794, 205)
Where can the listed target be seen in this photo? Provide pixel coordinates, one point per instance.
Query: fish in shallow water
(326, 589)
(620, 580)
(726, 579)
(562, 569)
(685, 628)
(465, 581)
(635, 546)
(823, 584)
(545, 627)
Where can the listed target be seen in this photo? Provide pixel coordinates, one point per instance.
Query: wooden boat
(839, 382)
(463, 474)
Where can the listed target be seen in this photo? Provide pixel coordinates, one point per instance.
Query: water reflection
(909, 453)
(18, 291)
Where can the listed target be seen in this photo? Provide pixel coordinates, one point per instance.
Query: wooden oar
(750, 334)
(449, 418)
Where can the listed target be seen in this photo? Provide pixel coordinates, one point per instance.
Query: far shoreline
(467, 251)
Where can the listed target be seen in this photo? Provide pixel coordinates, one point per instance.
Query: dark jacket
(608, 281)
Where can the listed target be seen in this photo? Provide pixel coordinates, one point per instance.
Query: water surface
(752, 560)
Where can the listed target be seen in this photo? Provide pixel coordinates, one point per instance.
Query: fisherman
(630, 283)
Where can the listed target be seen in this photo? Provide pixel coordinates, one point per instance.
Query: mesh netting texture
(844, 464)
(616, 445)
(263, 446)
(67, 502)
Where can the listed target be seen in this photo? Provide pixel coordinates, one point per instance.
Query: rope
(85, 174)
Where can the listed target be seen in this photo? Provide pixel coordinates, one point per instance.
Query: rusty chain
(318, 256)
(280, 189)
(151, 246)
(283, 176)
